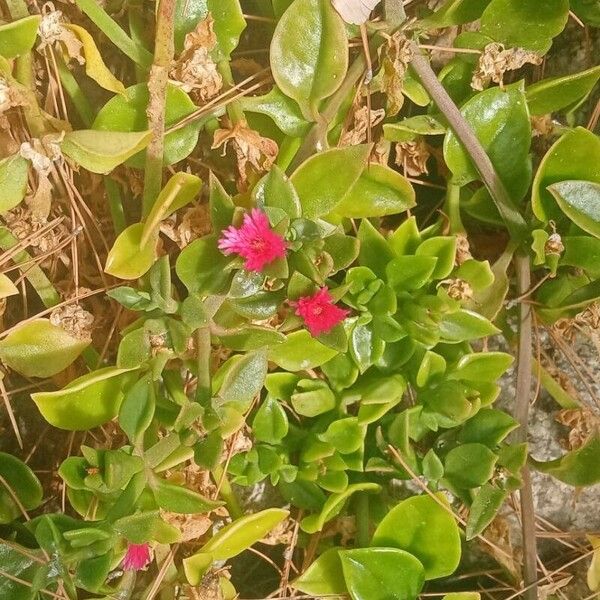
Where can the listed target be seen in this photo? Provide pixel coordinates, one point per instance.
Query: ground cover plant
(268, 266)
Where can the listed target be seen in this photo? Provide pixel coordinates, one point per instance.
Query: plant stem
(512, 217)
(75, 93)
(115, 204)
(226, 492)
(203, 350)
(363, 533)
(234, 108)
(115, 34)
(164, 50)
(521, 413)
(452, 209)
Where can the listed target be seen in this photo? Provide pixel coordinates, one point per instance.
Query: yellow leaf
(94, 65)
(593, 574)
(7, 287)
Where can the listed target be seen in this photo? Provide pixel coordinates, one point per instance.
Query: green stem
(452, 209)
(234, 108)
(75, 93)
(203, 349)
(288, 149)
(363, 533)
(115, 204)
(164, 50)
(226, 492)
(138, 54)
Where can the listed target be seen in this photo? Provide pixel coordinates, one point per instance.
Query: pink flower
(254, 240)
(319, 312)
(137, 557)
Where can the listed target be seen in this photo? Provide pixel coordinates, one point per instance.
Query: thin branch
(164, 49)
(521, 413)
(512, 217)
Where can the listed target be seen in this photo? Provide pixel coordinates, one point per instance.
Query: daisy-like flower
(254, 240)
(319, 313)
(137, 557)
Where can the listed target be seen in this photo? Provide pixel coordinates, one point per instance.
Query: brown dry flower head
(542, 125)
(10, 96)
(463, 249)
(362, 121)
(582, 423)
(252, 151)
(74, 320)
(195, 70)
(458, 289)
(554, 244)
(194, 223)
(412, 156)
(397, 55)
(52, 31)
(495, 60)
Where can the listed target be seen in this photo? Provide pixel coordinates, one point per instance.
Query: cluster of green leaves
(400, 389)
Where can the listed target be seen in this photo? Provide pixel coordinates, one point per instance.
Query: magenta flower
(319, 312)
(254, 240)
(137, 557)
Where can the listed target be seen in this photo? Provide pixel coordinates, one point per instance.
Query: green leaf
(301, 351)
(587, 10)
(578, 468)
(252, 337)
(146, 527)
(557, 93)
(179, 191)
(178, 499)
(324, 179)
(276, 190)
(488, 427)
(412, 127)
(455, 12)
(375, 252)
(487, 503)
(575, 156)
(13, 181)
(312, 398)
(345, 435)
(94, 64)
(137, 409)
(221, 205)
(465, 325)
(324, 577)
(244, 378)
(23, 564)
(524, 24)
(500, 119)
(580, 201)
(23, 484)
(379, 191)
(231, 540)
(102, 151)
(201, 266)
(582, 252)
(18, 37)
(334, 505)
(488, 366)
(469, 465)
(425, 529)
(444, 249)
(381, 574)
(129, 258)
(128, 113)
(309, 53)
(86, 402)
(270, 424)
(40, 349)
(284, 111)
